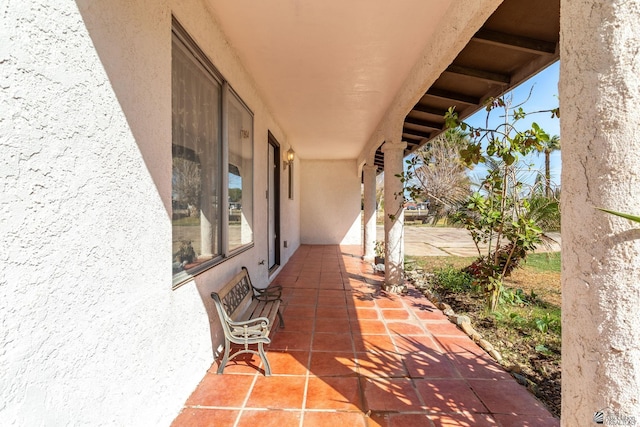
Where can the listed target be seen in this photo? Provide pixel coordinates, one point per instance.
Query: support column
(369, 210)
(600, 128)
(393, 216)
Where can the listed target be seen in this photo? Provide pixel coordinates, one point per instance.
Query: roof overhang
(335, 74)
(514, 44)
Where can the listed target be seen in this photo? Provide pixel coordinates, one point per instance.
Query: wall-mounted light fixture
(290, 156)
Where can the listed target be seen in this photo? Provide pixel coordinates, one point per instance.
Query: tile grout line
(246, 399)
(308, 367)
(356, 360)
(351, 333)
(386, 327)
(413, 314)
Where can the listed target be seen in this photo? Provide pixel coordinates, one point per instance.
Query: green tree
(235, 195)
(553, 144)
(498, 214)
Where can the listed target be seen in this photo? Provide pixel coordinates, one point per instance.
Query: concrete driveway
(441, 241)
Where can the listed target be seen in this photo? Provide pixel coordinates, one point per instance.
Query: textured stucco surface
(330, 204)
(393, 212)
(90, 331)
(369, 208)
(600, 127)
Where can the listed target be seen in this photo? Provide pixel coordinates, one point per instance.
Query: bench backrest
(235, 295)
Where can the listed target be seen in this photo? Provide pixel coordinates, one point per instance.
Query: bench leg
(265, 361)
(225, 358)
(281, 319)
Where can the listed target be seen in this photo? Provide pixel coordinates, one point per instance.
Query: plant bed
(525, 329)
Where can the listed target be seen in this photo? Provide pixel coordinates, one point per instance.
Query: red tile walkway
(351, 355)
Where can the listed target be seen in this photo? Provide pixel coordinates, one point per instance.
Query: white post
(600, 128)
(393, 216)
(369, 210)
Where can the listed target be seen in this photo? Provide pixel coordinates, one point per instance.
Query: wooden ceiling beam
(416, 134)
(429, 110)
(453, 96)
(423, 123)
(488, 76)
(511, 41)
(412, 143)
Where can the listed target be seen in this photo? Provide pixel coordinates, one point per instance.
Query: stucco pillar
(369, 210)
(393, 216)
(600, 128)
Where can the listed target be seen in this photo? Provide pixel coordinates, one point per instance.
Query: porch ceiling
(330, 69)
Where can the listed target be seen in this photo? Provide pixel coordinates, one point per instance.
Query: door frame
(275, 193)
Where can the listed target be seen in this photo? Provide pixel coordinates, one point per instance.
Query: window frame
(227, 95)
(181, 36)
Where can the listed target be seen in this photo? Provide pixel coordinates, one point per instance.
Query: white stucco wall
(330, 202)
(90, 331)
(600, 126)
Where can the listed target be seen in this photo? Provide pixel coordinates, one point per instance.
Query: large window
(211, 126)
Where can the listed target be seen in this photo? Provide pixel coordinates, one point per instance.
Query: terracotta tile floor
(351, 355)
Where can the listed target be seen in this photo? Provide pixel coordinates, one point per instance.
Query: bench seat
(247, 315)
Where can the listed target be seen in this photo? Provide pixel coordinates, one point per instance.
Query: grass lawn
(187, 221)
(544, 262)
(526, 328)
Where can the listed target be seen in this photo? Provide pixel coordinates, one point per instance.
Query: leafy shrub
(513, 297)
(547, 323)
(453, 279)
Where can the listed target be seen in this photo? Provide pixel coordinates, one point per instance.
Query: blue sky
(544, 96)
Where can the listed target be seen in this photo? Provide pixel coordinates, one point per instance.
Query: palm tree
(549, 147)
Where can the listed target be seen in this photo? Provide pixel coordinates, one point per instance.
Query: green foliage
(453, 279)
(549, 147)
(630, 217)
(547, 323)
(378, 248)
(498, 215)
(513, 297)
(488, 272)
(512, 318)
(531, 319)
(541, 348)
(235, 195)
(544, 211)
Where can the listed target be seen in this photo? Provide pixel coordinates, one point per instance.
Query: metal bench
(247, 315)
